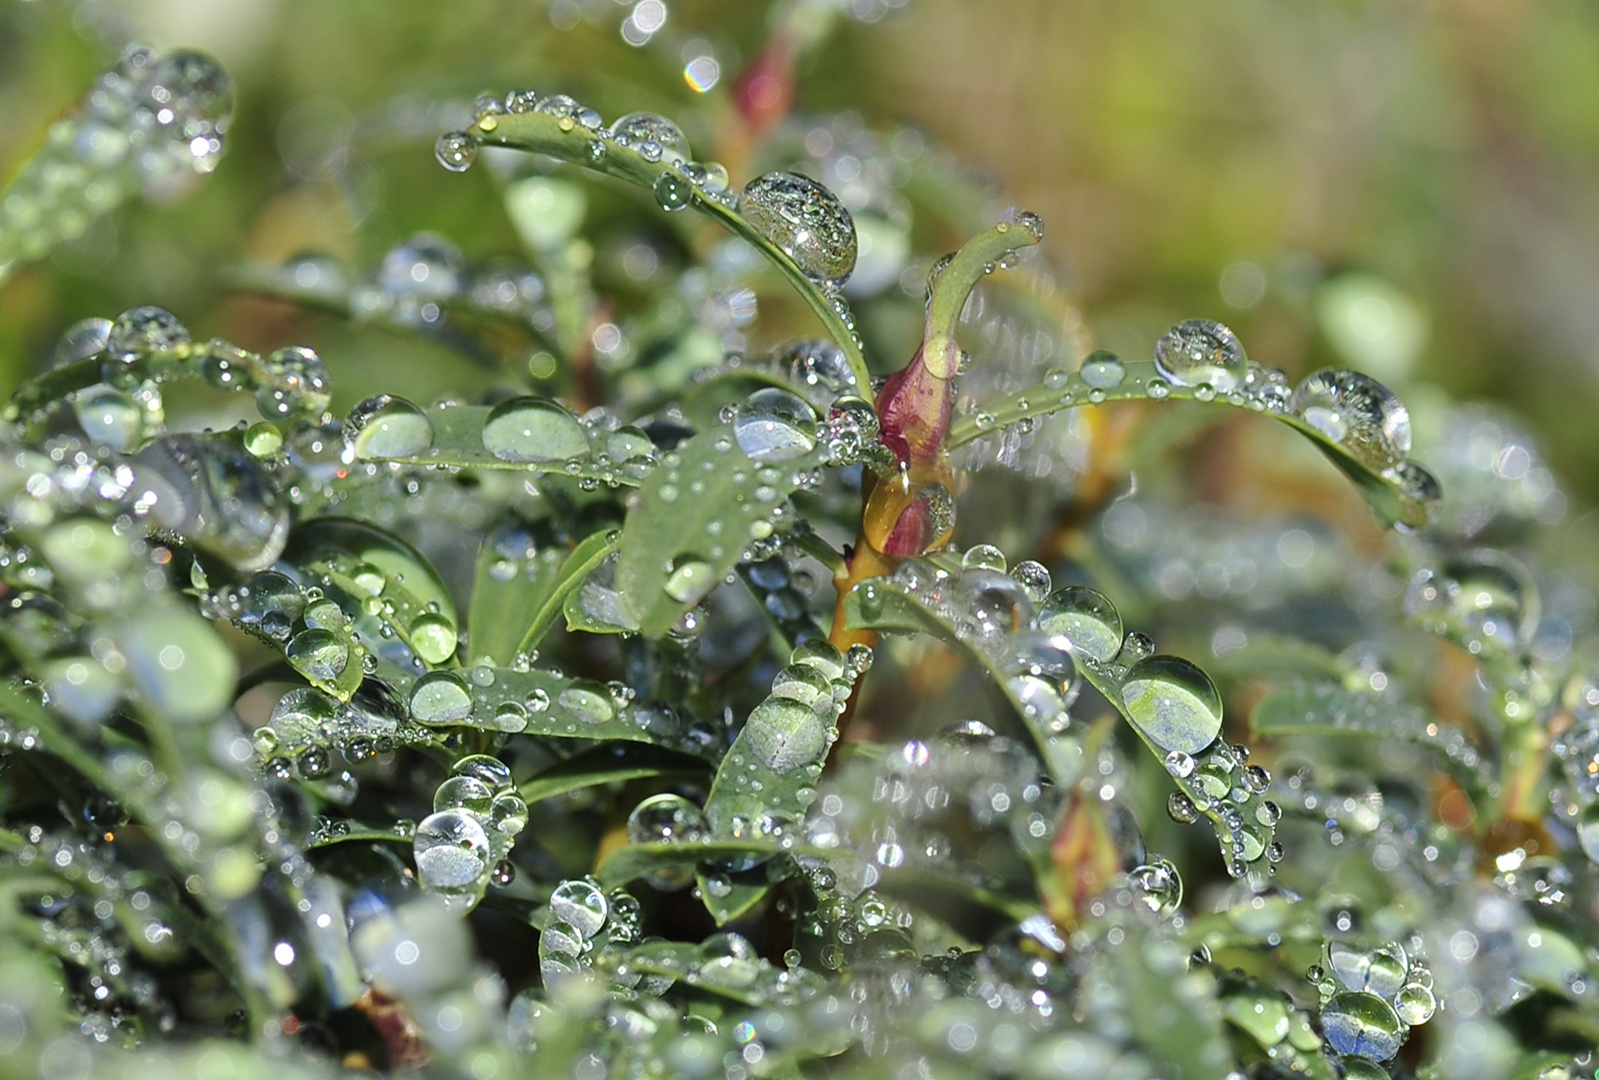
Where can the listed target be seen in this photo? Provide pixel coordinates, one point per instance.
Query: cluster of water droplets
(461, 848)
(148, 121)
(1371, 998)
(1577, 751)
(1039, 641)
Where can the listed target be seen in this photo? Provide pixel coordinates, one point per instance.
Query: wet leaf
(610, 765)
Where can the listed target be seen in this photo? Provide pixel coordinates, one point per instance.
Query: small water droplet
(456, 150)
(387, 427)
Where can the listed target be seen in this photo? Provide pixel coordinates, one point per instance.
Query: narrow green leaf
(1325, 708)
(693, 518)
(633, 861)
(1406, 495)
(561, 138)
(610, 765)
(530, 435)
(514, 577)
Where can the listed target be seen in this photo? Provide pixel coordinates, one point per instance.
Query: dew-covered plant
(642, 715)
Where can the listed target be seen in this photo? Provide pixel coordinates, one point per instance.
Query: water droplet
(1085, 618)
(110, 417)
(586, 705)
(433, 637)
(1200, 352)
(533, 429)
(785, 734)
(1181, 809)
(690, 580)
(463, 793)
(1173, 702)
(984, 557)
(451, 851)
(821, 656)
(384, 427)
(508, 814)
(1357, 412)
(143, 331)
(775, 425)
(440, 697)
(581, 905)
(1415, 1004)
(456, 150)
(820, 369)
(993, 603)
(486, 768)
(1102, 370)
(654, 138)
(673, 192)
(318, 654)
(1034, 578)
(1362, 1024)
(806, 221)
(1159, 886)
(426, 266)
(670, 818)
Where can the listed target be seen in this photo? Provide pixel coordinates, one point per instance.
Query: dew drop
(1357, 412)
(581, 905)
(1199, 352)
(775, 425)
(387, 427)
(440, 697)
(143, 331)
(318, 654)
(673, 192)
(451, 850)
(667, 141)
(1085, 618)
(785, 734)
(456, 150)
(534, 429)
(1102, 370)
(804, 220)
(1173, 703)
(1362, 1024)
(670, 818)
(433, 637)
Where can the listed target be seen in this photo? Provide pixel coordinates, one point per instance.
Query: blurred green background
(1415, 185)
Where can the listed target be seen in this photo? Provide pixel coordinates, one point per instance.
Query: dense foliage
(637, 713)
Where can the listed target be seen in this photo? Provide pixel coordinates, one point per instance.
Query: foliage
(638, 716)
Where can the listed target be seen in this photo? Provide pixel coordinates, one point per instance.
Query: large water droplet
(440, 697)
(690, 580)
(451, 851)
(819, 369)
(992, 603)
(785, 734)
(296, 383)
(668, 817)
(464, 793)
(110, 417)
(1357, 412)
(318, 654)
(1086, 619)
(533, 429)
(387, 427)
(775, 425)
(654, 138)
(1173, 702)
(581, 905)
(1202, 353)
(1103, 370)
(141, 331)
(433, 637)
(806, 221)
(1415, 1004)
(1362, 1024)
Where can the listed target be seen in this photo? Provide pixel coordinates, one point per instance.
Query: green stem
(976, 259)
(570, 142)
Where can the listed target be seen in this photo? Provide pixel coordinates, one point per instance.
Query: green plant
(525, 732)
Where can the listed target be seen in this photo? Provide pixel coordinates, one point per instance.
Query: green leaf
(1406, 495)
(729, 896)
(517, 598)
(693, 518)
(1177, 1024)
(551, 440)
(881, 604)
(561, 138)
(610, 764)
(633, 861)
(1324, 708)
